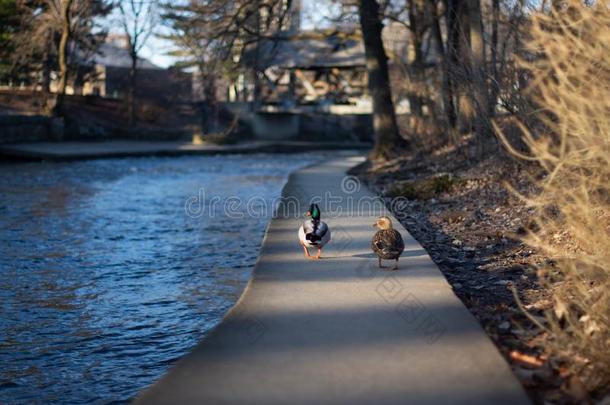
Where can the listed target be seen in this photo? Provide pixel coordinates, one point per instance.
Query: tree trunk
(416, 58)
(495, 85)
(388, 141)
(131, 96)
(477, 72)
(256, 98)
(211, 121)
(63, 57)
(46, 81)
(446, 87)
(457, 77)
(461, 65)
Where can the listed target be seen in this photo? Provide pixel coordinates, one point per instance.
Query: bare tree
(388, 141)
(56, 35)
(223, 38)
(138, 20)
(66, 31)
(198, 47)
(417, 28)
(444, 53)
(9, 26)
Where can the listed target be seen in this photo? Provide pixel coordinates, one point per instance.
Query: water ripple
(105, 282)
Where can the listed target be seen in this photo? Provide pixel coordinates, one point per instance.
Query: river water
(111, 270)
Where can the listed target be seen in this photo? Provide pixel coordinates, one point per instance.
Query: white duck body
(314, 233)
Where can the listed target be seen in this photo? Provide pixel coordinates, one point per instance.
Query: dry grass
(427, 188)
(571, 85)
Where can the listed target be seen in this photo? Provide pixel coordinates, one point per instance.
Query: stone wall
(307, 124)
(29, 128)
(336, 127)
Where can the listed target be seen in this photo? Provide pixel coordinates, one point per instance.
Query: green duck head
(314, 212)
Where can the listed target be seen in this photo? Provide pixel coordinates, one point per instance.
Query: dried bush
(571, 86)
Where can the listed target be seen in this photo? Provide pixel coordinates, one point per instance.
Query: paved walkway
(339, 330)
(107, 149)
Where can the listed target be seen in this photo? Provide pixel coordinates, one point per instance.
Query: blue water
(106, 280)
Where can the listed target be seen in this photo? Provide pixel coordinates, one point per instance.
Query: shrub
(571, 85)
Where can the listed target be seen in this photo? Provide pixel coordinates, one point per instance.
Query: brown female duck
(387, 242)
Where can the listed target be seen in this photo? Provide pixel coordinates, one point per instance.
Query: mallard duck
(387, 242)
(313, 232)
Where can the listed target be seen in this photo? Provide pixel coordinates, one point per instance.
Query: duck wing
(323, 232)
(316, 232)
(388, 243)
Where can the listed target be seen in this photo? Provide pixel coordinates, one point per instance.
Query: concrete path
(340, 330)
(118, 148)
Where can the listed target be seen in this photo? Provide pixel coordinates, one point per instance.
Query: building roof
(112, 55)
(310, 53)
(317, 49)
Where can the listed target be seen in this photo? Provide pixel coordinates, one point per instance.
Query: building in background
(320, 68)
(108, 76)
(308, 68)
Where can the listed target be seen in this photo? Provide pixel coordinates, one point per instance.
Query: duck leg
(380, 266)
(396, 265)
(319, 253)
(307, 255)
